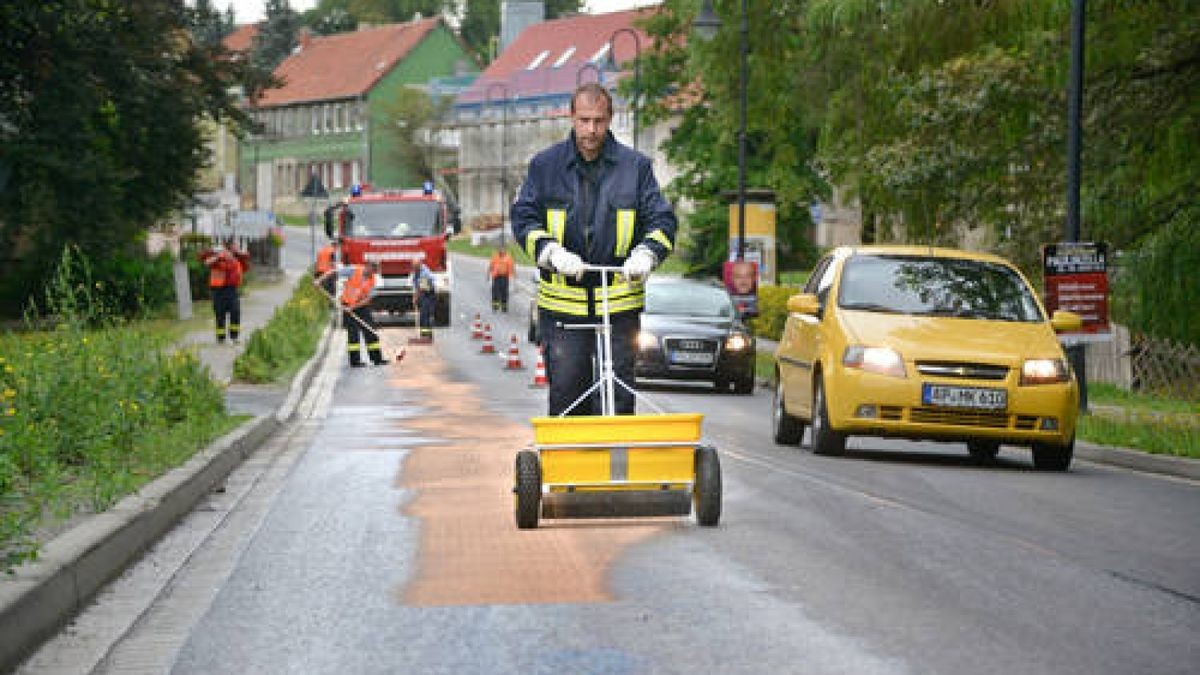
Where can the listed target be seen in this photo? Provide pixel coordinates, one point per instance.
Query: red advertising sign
(1076, 276)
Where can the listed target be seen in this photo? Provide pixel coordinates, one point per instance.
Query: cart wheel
(528, 490)
(706, 496)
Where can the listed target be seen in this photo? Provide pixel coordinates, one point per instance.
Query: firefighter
(326, 261)
(591, 200)
(500, 272)
(424, 298)
(361, 281)
(226, 264)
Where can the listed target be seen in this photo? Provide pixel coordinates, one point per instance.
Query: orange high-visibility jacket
(225, 268)
(324, 260)
(501, 266)
(358, 288)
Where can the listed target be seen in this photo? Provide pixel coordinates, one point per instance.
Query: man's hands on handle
(562, 261)
(639, 264)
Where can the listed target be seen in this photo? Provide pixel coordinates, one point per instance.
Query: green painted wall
(439, 54)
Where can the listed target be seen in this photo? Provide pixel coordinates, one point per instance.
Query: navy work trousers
(571, 361)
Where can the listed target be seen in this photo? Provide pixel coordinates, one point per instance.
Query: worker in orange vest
(361, 281)
(326, 261)
(500, 272)
(227, 265)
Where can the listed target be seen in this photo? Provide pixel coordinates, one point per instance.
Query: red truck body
(396, 228)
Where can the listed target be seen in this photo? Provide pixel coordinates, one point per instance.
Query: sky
(246, 11)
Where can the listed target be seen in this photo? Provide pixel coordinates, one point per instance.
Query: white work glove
(639, 264)
(561, 260)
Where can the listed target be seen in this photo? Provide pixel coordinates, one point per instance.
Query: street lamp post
(503, 153)
(706, 25)
(637, 71)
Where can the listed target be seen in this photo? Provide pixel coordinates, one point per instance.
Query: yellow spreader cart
(608, 465)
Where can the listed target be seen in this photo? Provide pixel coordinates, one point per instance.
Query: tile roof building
(520, 103)
(331, 116)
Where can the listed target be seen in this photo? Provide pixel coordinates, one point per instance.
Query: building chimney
(516, 17)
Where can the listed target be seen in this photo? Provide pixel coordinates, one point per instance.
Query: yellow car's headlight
(736, 342)
(646, 340)
(1043, 371)
(881, 360)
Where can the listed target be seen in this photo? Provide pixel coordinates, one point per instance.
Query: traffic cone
(476, 328)
(539, 372)
(488, 347)
(514, 355)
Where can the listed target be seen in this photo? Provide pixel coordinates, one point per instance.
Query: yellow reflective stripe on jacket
(625, 222)
(556, 223)
(661, 238)
(559, 297)
(532, 239)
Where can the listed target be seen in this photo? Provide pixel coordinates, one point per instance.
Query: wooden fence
(1142, 363)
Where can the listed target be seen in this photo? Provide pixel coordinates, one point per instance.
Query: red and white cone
(488, 347)
(476, 328)
(513, 362)
(539, 372)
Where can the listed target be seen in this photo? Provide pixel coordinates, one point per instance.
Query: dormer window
(565, 55)
(537, 61)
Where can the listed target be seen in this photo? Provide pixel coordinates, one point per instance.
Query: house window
(537, 60)
(316, 119)
(565, 55)
(600, 54)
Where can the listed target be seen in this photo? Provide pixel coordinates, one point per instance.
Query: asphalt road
(375, 535)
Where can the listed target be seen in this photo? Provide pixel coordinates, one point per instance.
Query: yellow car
(925, 343)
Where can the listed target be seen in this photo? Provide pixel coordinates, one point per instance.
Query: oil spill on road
(471, 552)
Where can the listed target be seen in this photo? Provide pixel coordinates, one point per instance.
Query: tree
(101, 106)
(411, 121)
(700, 82)
(276, 37)
(207, 25)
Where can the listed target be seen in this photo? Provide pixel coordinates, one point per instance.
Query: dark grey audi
(690, 331)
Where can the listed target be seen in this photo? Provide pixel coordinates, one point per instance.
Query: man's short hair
(594, 91)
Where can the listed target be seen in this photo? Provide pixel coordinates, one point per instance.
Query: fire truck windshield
(393, 219)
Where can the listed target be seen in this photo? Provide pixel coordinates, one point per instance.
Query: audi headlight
(736, 342)
(1043, 371)
(880, 360)
(647, 340)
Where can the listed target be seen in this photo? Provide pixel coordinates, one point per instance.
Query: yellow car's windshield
(932, 286)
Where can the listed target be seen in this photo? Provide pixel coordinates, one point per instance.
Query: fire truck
(396, 228)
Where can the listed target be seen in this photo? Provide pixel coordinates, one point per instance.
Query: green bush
(1157, 285)
(88, 414)
(288, 340)
(772, 310)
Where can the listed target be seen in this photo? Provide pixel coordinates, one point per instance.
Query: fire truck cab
(396, 228)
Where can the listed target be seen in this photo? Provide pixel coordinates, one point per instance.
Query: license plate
(964, 397)
(692, 358)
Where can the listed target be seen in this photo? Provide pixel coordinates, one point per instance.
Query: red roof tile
(241, 39)
(345, 64)
(587, 33)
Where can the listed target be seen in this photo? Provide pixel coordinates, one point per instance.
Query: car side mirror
(804, 303)
(1064, 321)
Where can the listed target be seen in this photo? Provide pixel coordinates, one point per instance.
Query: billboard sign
(1076, 275)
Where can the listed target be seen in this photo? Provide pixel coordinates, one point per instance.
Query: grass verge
(91, 410)
(278, 349)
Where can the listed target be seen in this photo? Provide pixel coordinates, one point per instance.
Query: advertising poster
(741, 280)
(1076, 276)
